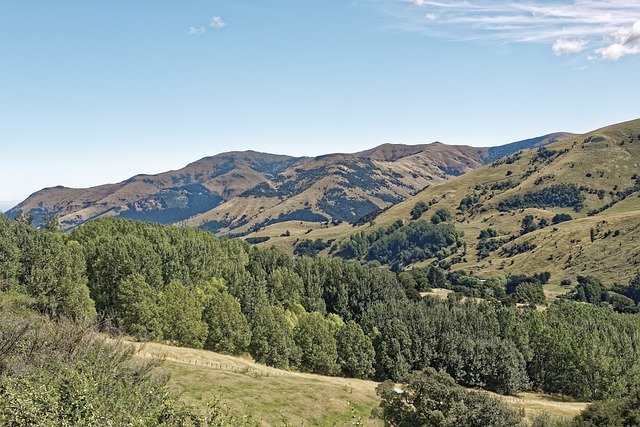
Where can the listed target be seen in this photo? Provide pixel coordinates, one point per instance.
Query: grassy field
(273, 395)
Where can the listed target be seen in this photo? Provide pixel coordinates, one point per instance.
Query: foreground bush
(64, 373)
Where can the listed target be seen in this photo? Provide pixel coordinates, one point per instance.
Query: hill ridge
(244, 191)
(569, 207)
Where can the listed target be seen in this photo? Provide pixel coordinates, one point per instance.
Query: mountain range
(243, 192)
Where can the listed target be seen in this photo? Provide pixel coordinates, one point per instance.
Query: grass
(274, 395)
(533, 404)
(268, 394)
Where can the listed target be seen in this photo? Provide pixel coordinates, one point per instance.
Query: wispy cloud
(217, 22)
(610, 27)
(197, 30)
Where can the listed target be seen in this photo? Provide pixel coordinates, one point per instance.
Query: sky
(95, 91)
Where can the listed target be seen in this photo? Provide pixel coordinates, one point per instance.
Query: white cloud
(217, 22)
(563, 47)
(610, 27)
(616, 51)
(627, 42)
(197, 30)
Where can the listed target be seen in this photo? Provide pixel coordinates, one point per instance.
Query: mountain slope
(571, 208)
(241, 192)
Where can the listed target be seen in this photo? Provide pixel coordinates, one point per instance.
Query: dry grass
(269, 394)
(536, 404)
(438, 293)
(273, 395)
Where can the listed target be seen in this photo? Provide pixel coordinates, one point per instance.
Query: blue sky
(96, 91)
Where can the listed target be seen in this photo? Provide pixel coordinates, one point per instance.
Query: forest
(314, 314)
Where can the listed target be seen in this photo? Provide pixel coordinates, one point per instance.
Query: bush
(441, 215)
(559, 195)
(617, 412)
(557, 219)
(419, 208)
(64, 373)
(432, 398)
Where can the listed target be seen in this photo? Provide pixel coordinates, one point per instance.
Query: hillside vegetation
(569, 208)
(316, 315)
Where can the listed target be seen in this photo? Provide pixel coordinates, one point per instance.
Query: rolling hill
(571, 208)
(242, 192)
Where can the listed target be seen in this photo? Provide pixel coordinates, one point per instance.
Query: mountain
(243, 192)
(571, 208)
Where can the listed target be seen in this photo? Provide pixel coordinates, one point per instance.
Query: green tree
(228, 328)
(285, 287)
(182, 316)
(137, 310)
(271, 338)
(418, 209)
(52, 271)
(392, 344)
(356, 355)
(528, 225)
(431, 398)
(113, 257)
(318, 350)
(441, 215)
(624, 412)
(529, 293)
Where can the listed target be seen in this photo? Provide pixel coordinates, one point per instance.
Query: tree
(318, 350)
(588, 289)
(228, 329)
(393, 349)
(271, 338)
(562, 217)
(441, 215)
(529, 293)
(528, 225)
(431, 398)
(418, 209)
(53, 273)
(356, 355)
(182, 316)
(137, 310)
(624, 411)
(113, 257)
(284, 286)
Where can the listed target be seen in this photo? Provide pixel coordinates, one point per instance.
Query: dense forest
(323, 315)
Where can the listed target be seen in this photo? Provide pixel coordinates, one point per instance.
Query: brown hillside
(242, 192)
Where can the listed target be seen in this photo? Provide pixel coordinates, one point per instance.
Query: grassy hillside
(269, 394)
(592, 178)
(273, 395)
